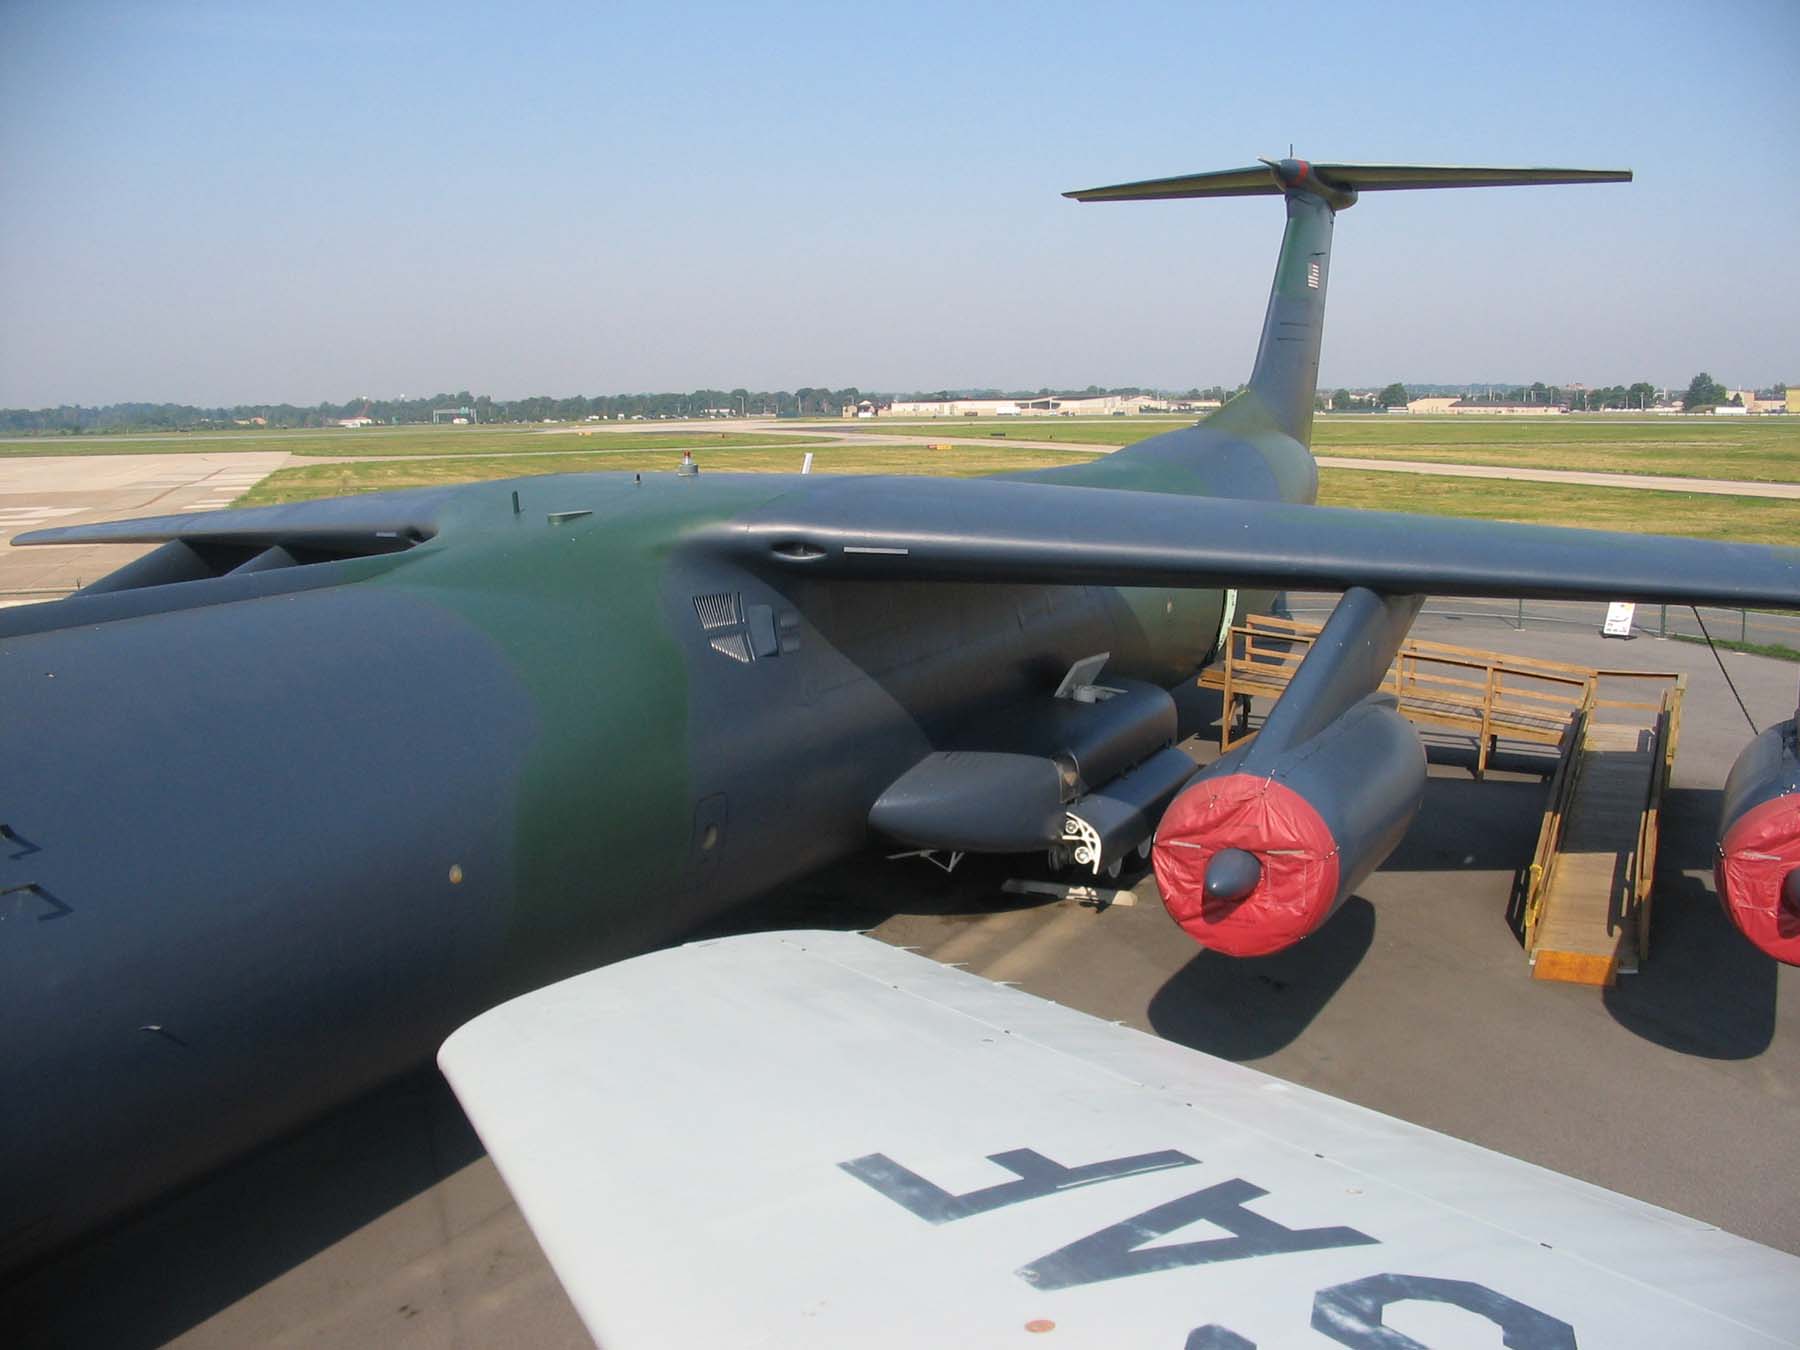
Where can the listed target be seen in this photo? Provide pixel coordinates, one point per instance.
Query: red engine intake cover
(1755, 856)
(1299, 884)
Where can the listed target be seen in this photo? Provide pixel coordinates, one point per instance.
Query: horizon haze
(220, 206)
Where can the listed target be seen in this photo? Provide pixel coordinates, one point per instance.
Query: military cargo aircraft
(306, 787)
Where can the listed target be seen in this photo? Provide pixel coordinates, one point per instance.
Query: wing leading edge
(815, 1139)
(893, 529)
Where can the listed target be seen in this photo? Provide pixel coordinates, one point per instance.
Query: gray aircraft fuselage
(270, 851)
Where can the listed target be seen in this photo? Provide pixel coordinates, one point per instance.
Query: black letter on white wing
(1212, 1336)
(1351, 1313)
(1038, 1177)
(1119, 1251)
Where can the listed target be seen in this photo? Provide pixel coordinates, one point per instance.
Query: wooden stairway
(1588, 890)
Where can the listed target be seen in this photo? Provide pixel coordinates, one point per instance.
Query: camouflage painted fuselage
(274, 849)
(275, 833)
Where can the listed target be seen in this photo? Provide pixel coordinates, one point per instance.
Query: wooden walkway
(1484, 694)
(1585, 896)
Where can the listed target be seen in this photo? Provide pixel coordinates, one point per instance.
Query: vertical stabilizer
(1286, 377)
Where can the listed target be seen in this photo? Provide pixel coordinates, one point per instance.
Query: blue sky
(217, 202)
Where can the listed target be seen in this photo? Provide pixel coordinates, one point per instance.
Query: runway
(40, 491)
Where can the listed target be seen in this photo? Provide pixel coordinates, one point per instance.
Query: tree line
(1703, 392)
(77, 419)
(806, 401)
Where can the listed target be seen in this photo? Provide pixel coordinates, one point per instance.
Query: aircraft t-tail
(306, 787)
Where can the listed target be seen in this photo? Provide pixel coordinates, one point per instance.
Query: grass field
(1763, 449)
(1754, 520)
(438, 440)
(1756, 450)
(1748, 519)
(330, 480)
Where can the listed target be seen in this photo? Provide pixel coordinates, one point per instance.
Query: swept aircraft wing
(879, 528)
(1022, 531)
(815, 1139)
(894, 529)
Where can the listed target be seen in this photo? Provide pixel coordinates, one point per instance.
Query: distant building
(1091, 405)
(1061, 405)
(1757, 404)
(953, 407)
(1459, 406)
(1793, 399)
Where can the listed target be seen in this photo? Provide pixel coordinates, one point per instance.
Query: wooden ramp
(1585, 908)
(1588, 889)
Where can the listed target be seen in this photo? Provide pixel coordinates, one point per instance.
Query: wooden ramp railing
(1485, 694)
(1586, 906)
(1587, 894)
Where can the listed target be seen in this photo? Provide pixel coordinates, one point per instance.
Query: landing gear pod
(1251, 862)
(1758, 870)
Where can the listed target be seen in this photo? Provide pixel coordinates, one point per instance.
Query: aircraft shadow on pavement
(153, 1276)
(1703, 990)
(1247, 1008)
(1465, 826)
(871, 887)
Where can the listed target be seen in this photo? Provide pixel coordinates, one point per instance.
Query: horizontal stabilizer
(1272, 177)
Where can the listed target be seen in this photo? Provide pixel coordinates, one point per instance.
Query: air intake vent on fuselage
(718, 610)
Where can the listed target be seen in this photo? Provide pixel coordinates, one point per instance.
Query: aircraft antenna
(1726, 673)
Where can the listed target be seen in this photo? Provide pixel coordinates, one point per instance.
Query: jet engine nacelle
(1251, 862)
(1758, 869)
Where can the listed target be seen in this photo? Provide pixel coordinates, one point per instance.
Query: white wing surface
(815, 1139)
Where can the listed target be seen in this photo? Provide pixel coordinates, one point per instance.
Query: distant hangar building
(1441, 405)
(1064, 405)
